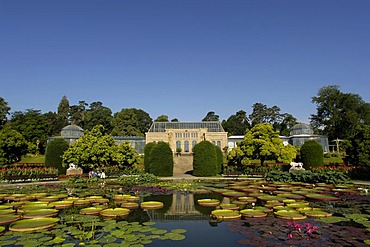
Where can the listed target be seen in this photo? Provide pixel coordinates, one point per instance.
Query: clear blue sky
(182, 58)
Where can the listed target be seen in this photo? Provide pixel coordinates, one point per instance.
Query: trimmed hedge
(54, 152)
(161, 160)
(147, 149)
(312, 154)
(204, 159)
(220, 159)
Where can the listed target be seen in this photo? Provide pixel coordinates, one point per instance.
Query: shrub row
(319, 176)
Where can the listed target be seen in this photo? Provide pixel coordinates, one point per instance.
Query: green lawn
(33, 159)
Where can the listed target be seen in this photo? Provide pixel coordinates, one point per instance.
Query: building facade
(183, 136)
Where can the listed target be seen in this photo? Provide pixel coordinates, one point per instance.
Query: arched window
(219, 144)
(186, 146)
(178, 144)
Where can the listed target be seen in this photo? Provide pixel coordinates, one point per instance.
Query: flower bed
(28, 173)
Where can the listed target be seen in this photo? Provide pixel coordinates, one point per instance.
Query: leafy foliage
(338, 114)
(53, 156)
(125, 156)
(131, 122)
(358, 152)
(4, 110)
(211, 116)
(32, 125)
(95, 149)
(262, 143)
(147, 149)
(161, 160)
(319, 176)
(220, 159)
(236, 124)
(136, 180)
(204, 159)
(312, 154)
(12, 146)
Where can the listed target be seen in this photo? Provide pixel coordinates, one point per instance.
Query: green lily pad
(178, 231)
(317, 214)
(175, 236)
(39, 213)
(321, 197)
(33, 224)
(289, 215)
(208, 202)
(226, 214)
(7, 211)
(115, 212)
(253, 213)
(334, 219)
(231, 206)
(151, 205)
(91, 211)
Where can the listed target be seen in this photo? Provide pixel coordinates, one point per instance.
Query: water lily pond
(217, 213)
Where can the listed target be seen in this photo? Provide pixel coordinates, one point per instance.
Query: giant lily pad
(91, 211)
(6, 219)
(247, 199)
(62, 204)
(7, 211)
(151, 205)
(231, 206)
(115, 212)
(49, 199)
(225, 214)
(252, 213)
(97, 199)
(289, 215)
(40, 213)
(33, 224)
(208, 202)
(322, 197)
(317, 213)
(130, 205)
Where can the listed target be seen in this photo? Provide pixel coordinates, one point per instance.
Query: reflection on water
(182, 206)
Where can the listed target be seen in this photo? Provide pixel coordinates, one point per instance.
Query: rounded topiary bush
(220, 159)
(54, 152)
(312, 154)
(204, 159)
(161, 160)
(147, 149)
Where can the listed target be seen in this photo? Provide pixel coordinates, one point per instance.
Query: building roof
(73, 127)
(211, 126)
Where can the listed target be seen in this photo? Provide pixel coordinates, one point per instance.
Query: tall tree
(78, 113)
(259, 114)
(63, 110)
(54, 123)
(236, 124)
(339, 114)
(357, 150)
(32, 125)
(288, 121)
(12, 146)
(4, 110)
(98, 114)
(161, 118)
(262, 143)
(131, 122)
(211, 116)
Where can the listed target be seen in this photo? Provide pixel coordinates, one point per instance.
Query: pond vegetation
(246, 212)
